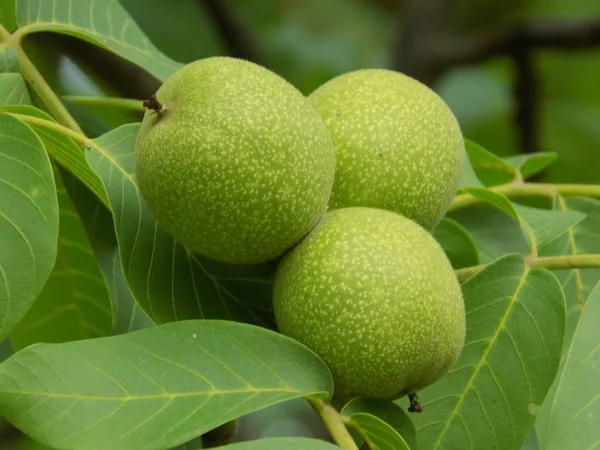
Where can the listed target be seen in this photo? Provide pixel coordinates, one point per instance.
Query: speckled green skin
(239, 166)
(399, 146)
(374, 295)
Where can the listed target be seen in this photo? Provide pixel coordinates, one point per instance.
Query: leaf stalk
(127, 104)
(4, 34)
(79, 138)
(38, 84)
(515, 190)
(74, 135)
(334, 422)
(561, 262)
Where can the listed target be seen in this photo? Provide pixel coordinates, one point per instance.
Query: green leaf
(128, 315)
(469, 177)
(168, 282)
(100, 229)
(515, 330)
(584, 238)
(13, 90)
(154, 388)
(191, 21)
(531, 443)
(497, 233)
(28, 220)
(91, 124)
(71, 296)
(74, 303)
(545, 225)
(457, 243)
(6, 349)
(9, 60)
(493, 198)
(62, 149)
(282, 443)
(7, 14)
(383, 424)
(532, 164)
(570, 420)
(104, 23)
(490, 169)
(494, 232)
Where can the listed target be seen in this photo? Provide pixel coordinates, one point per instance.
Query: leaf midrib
(483, 358)
(171, 396)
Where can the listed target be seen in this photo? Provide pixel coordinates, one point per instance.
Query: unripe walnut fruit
(234, 161)
(398, 145)
(375, 296)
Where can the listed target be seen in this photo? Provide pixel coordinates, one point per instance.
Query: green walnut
(399, 147)
(233, 161)
(374, 295)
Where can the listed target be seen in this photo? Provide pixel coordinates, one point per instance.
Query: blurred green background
(555, 108)
(311, 41)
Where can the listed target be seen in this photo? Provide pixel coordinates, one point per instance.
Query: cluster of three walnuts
(342, 187)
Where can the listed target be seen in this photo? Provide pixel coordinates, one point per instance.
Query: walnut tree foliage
(122, 339)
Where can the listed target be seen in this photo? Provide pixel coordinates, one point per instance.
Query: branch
(564, 262)
(525, 96)
(513, 190)
(239, 40)
(420, 20)
(542, 34)
(428, 49)
(38, 84)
